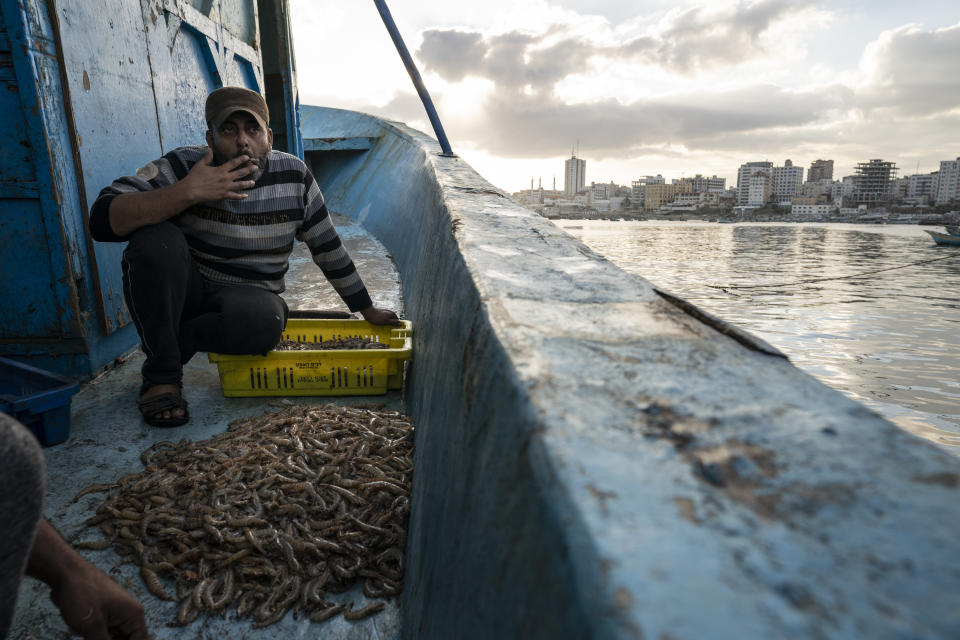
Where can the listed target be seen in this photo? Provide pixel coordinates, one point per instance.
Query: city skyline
(760, 185)
(675, 88)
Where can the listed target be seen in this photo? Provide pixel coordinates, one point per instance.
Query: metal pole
(415, 76)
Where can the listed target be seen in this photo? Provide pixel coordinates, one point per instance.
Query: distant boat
(947, 239)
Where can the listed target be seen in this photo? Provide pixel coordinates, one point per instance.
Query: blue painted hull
(944, 239)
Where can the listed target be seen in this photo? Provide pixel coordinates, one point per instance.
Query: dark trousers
(178, 312)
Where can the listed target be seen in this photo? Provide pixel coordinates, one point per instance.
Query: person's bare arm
(92, 604)
(204, 183)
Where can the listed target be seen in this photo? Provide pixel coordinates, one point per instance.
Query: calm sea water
(888, 339)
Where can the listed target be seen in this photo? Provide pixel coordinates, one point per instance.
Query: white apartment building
(574, 175)
(948, 187)
(787, 181)
(836, 191)
(923, 184)
(759, 190)
(744, 175)
(847, 187)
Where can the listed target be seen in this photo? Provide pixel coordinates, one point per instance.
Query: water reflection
(886, 338)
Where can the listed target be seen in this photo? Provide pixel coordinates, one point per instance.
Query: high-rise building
(787, 181)
(759, 189)
(948, 186)
(744, 174)
(820, 170)
(873, 183)
(574, 175)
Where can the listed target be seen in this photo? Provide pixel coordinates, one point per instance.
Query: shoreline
(926, 221)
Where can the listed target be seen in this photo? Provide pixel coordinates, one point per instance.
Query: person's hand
(206, 182)
(373, 315)
(96, 607)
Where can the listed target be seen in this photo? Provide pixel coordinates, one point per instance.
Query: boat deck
(107, 437)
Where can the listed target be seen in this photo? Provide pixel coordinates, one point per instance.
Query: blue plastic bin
(38, 399)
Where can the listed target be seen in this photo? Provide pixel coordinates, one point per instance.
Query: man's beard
(260, 162)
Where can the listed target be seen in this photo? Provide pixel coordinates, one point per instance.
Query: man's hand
(92, 605)
(374, 315)
(97, 608)
(206, 182)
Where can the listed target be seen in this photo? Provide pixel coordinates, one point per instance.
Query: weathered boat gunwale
(594, 462)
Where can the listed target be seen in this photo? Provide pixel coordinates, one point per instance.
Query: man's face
(241, 134)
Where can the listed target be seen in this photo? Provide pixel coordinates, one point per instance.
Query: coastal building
(745, 173)
(872, 183)
(639, 186)
(758, 189)
(846, 190)
(609, 205)
(820, 170)
(574, 175)
(813, 210)
(948, 186)
(923, 185)
(604, 191)
(815, 192)
(786, 181)
(695, 200)
(898, 188)
(836, 191)
(658, 194)
(701, 184)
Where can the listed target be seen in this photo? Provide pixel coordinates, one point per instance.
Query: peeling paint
(950, 480)
(602, 496)
(687, 509)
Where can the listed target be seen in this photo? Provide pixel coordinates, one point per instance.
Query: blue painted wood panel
(92, 91)
(239, 18)
(16, 163)
(182, 95)
(109, 76)
(37, 294)
(29, 308)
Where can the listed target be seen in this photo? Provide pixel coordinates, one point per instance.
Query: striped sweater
(247, 241)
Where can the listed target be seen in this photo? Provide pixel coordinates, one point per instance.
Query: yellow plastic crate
(329, 372)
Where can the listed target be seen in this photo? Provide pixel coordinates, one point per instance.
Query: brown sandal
(169, 401)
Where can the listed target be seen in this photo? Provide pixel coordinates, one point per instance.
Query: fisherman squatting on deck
(210, 230)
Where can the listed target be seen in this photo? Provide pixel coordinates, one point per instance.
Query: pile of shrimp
(273, 515)
(355, 342)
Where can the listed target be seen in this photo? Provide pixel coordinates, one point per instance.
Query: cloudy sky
(650, 86)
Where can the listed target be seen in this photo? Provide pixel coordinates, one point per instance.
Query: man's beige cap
(222, 102)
